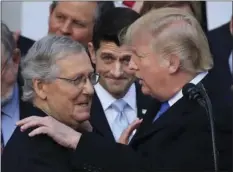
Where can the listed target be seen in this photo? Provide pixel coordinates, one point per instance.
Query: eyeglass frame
(82, 79)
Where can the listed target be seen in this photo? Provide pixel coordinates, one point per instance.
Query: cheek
(80, 34)
(62, 95)
(53, 25)
(103, 68)
(9, 76)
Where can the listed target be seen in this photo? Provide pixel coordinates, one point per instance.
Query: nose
(117, 71)
(88, 88)
(66, 28)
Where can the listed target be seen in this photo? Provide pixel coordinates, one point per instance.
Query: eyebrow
(107, 54)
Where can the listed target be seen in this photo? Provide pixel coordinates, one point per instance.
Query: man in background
(71, 18)
(12, 108)
(116, 86)
(220, 40)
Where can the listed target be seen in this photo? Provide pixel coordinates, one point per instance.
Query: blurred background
(32, 17)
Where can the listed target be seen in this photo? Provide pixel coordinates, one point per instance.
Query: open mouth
(84, 104)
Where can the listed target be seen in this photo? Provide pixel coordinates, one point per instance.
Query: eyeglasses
(81, 80)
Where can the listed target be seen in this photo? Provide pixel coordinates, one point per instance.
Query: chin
(82, 116)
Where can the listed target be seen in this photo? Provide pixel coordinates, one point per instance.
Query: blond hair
(174, 31)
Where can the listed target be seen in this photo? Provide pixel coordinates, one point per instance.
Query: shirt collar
(179, 95)
(11, 106)
(107, 99)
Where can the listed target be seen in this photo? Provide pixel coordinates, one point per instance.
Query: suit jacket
(23, 106)
(24, 44)
(220, 42)
(36, 154)
(180, 140)
(99, 121)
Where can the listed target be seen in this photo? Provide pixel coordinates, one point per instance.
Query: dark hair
(102, 6)
(111, 23)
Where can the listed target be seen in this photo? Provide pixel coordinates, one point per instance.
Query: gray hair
(40, 61)
(99, 10)
(7, 41)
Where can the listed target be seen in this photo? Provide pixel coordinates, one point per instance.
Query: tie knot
(119, 105)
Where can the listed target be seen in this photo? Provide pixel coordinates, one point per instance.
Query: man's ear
(174, 63)
(16, 56)
(92, 52)
(40, 88)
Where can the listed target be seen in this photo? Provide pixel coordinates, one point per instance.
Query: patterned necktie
(121, 122)
(164, 107)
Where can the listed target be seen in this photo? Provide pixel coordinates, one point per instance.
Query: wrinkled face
(74, 19)
(112, 65)
(9, 71)
(149, 67)
(70, 103)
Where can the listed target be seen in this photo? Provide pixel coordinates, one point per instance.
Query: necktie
(164, 107)
(121, 122)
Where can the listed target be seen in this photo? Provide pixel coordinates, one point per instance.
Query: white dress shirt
(107, 99)
(179, 95)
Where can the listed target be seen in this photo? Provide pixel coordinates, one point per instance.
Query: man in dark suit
(116, 83)
(220, 41)
(169, 50)
(12, 108)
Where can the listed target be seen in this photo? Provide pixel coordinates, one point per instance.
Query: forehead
(77, 10)
(112, 48)
(140, 42)
(75, 64)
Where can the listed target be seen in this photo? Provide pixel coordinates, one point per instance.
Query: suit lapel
(99, 120)
(174, 113)
(142, 101)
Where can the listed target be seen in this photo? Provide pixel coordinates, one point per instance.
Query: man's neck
(117, 96)
(178, 82)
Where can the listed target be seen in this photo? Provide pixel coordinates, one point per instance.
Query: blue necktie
(164, 107)
(121, 122)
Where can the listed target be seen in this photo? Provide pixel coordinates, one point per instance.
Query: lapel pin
(144, 111)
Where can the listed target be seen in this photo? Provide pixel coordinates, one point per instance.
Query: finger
(26, 120)
(30, 124)
(124, 138)
(134, 125)
(38, 131)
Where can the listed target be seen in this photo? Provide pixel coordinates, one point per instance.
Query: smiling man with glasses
(58, 82)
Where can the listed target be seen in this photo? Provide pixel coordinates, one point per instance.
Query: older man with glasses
(58, 82)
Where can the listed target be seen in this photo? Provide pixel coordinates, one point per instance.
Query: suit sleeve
(97, 153)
